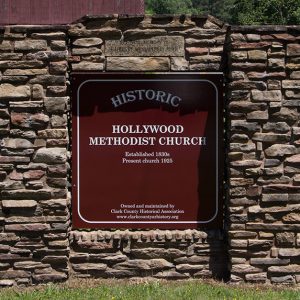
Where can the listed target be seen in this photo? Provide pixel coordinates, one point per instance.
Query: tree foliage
(170, 7)
(267, 12)
(233, 11)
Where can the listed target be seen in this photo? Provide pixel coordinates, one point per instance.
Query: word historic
(147, 140)
(140, 95)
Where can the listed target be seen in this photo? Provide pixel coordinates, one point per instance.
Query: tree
(233, 11)
(170, 7)
(218, 8)
(267, 12)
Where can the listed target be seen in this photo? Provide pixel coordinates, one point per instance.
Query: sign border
(217, 148)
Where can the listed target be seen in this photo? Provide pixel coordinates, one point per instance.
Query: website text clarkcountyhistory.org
(147, 212)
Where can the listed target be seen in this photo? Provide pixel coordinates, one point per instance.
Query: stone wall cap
(264, 28)
(95, 17)
(154, 235)
(35, 27)
(202, 17)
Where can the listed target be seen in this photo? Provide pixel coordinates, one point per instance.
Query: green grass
(121, 290)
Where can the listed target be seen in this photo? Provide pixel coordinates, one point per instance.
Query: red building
(63, 11)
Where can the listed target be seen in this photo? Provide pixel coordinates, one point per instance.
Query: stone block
(57, 45)
(189, 268)
(293, 50)
(30, 45)
(196, 50)
(26, 194)
(205, 59)
(14, 274)
(239, 55)
(291, 218)
(259, 244)
(86, 51)
(44, 56)
(19, 106)
(241, 181)
(53, 134)
(52, 276)
(9, 204)
(156, 253)
(276, 127)
(10, 92)
(133, 34)
(58, 121)
(246, 106)
(88, 66)
(49, 80)
(31, 227)
(295, 75)
(238, 243)
(271, 138)
(267, 96)
(293, 160)
(16, 143)
(291, 84)
(57, 35)
(267, 198)
(242, 147)
(244, 269)
(25, 72)
(55, 259)
(28, 120)
(6, 283)
(195, 259)
(8, 237)
(288, 279)
(171, 275)
(151, 264)
(269, 261)
(89, 267)
(33, 174)
(158, 46)
(56, 204)
(292, 94)
(257, 55)
(110, 258)
(30, 265)
(257, 115)
(56, 104)
(286, 114)
(280, 150)
(256, 277)
(37, 92)
(289, 252)
(88, 42)
(56, 91)
(179, 64)
(246, 163)
(276, 63)
(58, 68)
(138, 64)
(6, 45)
(272, 227)
(20, 64)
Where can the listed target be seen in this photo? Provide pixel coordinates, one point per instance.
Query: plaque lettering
(159, 46)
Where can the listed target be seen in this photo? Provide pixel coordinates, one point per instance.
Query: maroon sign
(147, 150)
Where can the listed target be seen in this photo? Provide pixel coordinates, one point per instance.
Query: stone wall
(262, 236)
(34, 103)
(264, 159)
(162, 254)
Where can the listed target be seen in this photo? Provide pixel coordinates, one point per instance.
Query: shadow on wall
(160, 254)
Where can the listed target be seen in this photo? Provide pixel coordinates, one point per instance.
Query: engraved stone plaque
(159, 46)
